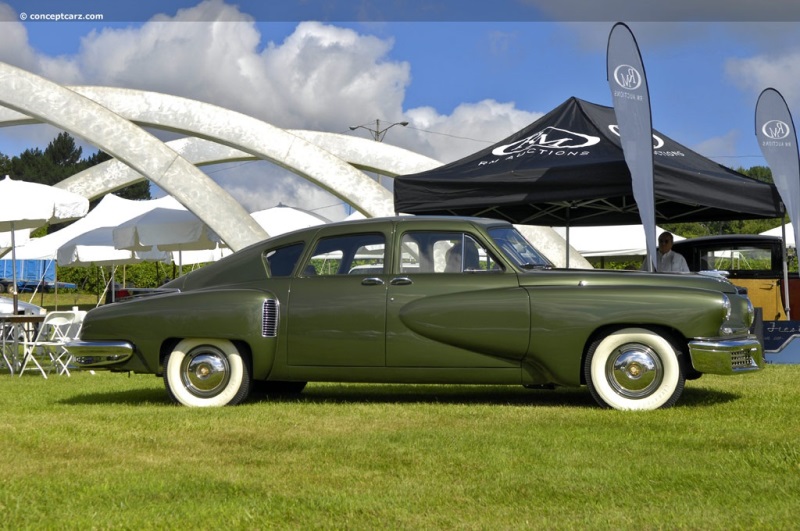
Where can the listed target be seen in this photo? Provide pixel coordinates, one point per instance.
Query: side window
(281, 261)
(737, 258)
(348, 255)
(445, 252)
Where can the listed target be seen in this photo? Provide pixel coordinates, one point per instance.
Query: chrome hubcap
(205, 371)
(634, 370)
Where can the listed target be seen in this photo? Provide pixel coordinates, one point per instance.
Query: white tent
(611, 240)
(21, 237)
(109, 212)
(778, 231)
(170, 227)
(96, 247)
(281, 219)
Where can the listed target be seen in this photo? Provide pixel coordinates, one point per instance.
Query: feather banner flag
(778, 142)
(628, 84)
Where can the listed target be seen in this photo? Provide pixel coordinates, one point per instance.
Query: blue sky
(464, 74)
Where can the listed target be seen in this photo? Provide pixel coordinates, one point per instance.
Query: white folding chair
(6, 344)
(49, 345)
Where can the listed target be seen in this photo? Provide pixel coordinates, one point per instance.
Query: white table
(11, 327)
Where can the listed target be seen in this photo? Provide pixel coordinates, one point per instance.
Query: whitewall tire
(206, 373)
(634, 369)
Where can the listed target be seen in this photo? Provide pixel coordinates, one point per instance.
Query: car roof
(726, 239)
(421, 219)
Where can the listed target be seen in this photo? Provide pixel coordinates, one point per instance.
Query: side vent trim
(269, 318)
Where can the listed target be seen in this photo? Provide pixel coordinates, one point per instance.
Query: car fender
(565, 318)
(153, 324)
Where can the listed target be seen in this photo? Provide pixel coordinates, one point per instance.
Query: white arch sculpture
(51, 103)
(261, 140)
(248, 134)
(298, 151)
(113, 175)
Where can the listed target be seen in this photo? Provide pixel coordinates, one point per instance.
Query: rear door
(337, 305)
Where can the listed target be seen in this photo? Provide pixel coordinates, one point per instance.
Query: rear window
(351, 254)
(281, 261)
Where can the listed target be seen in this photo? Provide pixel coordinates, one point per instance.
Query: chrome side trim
(726, 356)
(91, 354)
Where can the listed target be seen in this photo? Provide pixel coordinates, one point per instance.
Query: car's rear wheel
(206, 373)
(634, 369)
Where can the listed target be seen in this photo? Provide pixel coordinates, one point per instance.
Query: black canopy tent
(567, 168)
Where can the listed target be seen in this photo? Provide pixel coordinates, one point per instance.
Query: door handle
(400, 281)
(372, 281)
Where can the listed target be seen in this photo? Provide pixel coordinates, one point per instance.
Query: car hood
(590, 277)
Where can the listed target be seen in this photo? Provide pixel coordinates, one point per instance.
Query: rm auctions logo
(548, 138)
(627, 77)
(776, 130)
(658, 142)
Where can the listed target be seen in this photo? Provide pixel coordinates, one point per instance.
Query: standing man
(668, 260)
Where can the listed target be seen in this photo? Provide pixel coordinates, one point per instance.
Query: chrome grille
(269, 318)
(741, 359)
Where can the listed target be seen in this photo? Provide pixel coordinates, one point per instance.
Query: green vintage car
(422, 300)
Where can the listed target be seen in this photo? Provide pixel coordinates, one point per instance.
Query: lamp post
(377, 136)
(377, 133)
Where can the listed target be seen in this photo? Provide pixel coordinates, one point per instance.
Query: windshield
(518, 249)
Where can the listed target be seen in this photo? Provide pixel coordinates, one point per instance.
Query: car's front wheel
(634, 368)
(206, 373)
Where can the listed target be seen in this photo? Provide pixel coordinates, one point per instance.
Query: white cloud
(780, 71)
(14, 47)
(320, 77)
(471, 127)
(721, 148)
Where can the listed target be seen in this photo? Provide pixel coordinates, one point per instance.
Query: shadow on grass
(133, 397)
(432, 394)
(369, 394)
(408, 394)
(485, 395)
(705, 397)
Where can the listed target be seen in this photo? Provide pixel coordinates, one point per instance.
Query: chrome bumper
(94, 354)
(726, 356)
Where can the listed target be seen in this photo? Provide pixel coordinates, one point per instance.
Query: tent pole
(43, 284)
(785, 270)
(14, 270)
(567, 260)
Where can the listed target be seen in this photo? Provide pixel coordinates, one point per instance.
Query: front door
(453, 306)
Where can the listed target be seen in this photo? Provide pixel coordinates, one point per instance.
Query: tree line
(742, 226)
(61, 158)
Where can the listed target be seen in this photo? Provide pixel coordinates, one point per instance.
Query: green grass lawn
(109, 451)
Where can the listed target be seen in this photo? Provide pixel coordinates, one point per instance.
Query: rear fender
(155, 324)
